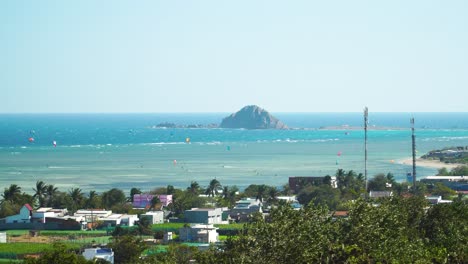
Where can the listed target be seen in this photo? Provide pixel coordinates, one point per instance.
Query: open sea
(102, 151)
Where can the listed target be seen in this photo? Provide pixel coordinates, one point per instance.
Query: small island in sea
(249, 117)
(252, 117)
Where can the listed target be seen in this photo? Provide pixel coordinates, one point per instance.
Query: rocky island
(252, 117)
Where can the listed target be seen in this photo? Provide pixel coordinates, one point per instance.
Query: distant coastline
(429, 163)
(347, 127)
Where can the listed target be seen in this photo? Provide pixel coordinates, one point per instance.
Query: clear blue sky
(217, 56)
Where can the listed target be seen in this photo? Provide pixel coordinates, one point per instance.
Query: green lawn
(24, 248)
(167, 226)
(10, 261)
(230, 226)
(59, 232)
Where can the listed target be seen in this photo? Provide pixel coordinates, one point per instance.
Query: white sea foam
(163, 143)
(443, 139)
(213, 143)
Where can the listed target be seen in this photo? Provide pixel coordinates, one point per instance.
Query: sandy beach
(429, 163)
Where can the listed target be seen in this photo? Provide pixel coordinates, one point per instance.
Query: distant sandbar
(429, 163)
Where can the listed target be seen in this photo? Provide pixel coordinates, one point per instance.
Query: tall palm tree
(77, 195)
(51, 191)
(340, 179)
(40, 192)
(261, 190)
(91, 201)
(273, 195)
(229, 195)
(134, 191)
(213, 188)
(11, 193)
(194, 187)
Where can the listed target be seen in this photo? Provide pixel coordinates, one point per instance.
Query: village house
(99, 253)
(155, 217)
(436, 200)
(204, 216)
(199, 233)
(119, 220)
(380, 194)
(144, 200)
(244, 208)
(456, 183)
(24, 216)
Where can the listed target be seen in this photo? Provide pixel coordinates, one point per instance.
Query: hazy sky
(217, 56)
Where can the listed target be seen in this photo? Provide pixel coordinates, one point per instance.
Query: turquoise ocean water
(101, 151)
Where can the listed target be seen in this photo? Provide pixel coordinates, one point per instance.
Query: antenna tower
(413, 141)
(366, 121)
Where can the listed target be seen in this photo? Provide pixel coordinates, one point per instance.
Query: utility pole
(413, 140)
(366, 121)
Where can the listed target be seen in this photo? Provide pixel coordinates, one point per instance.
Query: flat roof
(453, 178)
(202, 209)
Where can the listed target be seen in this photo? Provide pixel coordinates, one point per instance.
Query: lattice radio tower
(413, 142)
(366, 121)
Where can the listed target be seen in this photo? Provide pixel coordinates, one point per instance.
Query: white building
(93, 215)
(204, 216)
(120, 219)
(3, 237)
(99, 253)
(247, 206)
(155, 217)
(436, 200)
(39, 216)
(199, 233)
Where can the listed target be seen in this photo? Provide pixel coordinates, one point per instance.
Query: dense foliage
(397, 230)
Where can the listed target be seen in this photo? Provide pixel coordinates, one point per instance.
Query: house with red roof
(24, 215)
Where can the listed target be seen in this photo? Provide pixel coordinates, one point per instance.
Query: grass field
(10, 261)
(25, 248)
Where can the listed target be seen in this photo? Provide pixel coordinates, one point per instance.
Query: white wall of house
(39, 217)
(99, 253)
(156, 217)
(3, 237)
(129, 220)
(199, 233)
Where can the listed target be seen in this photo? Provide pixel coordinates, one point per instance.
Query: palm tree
(134, 191)
(229, 195)
(91, 200)
(77, 197)
(194, 187)
(11, 193)
(40, 192)
(261, 192)
(340, 179)
(213, 188)
(51, 191)
(273, 195)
